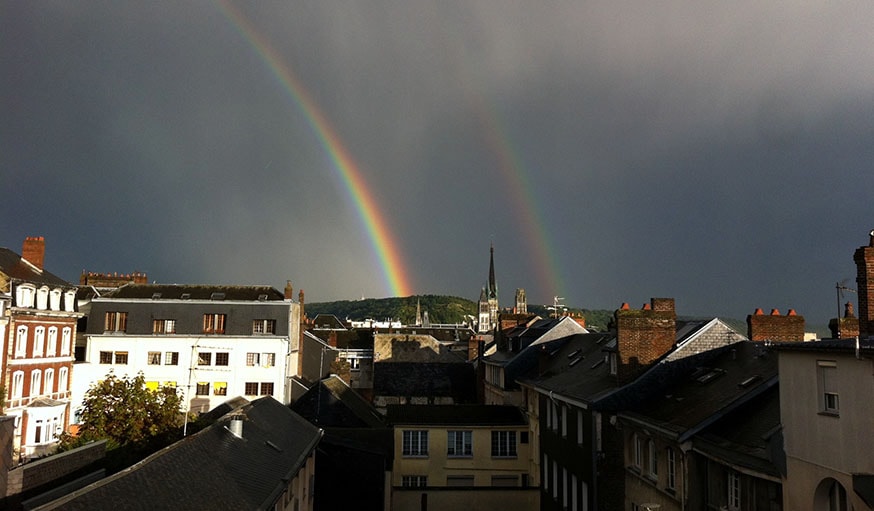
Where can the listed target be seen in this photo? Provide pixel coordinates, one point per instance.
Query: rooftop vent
(262, 297)
(156, 296)
(186, 296)
(217, 296)
(235, 425)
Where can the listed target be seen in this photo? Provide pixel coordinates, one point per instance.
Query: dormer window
(115, 322)
(42, 298)
(24, 294)
(55, 299)
(70, 300)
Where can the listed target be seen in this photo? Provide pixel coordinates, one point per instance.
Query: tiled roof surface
(213, 469)
(408, 379)
(194, 292)
(332, 403)
(12, 265)
(455, 415)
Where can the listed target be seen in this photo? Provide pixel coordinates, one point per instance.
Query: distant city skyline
(717, 154)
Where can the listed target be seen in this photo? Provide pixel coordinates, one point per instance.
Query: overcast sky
(719, 153)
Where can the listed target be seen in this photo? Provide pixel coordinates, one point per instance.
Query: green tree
(125, 412)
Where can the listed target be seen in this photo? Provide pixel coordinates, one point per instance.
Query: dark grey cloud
(718, 153)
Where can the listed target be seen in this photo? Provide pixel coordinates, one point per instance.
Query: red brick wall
(775, 327)
(643, 336)
(864, 258)
(34, 250)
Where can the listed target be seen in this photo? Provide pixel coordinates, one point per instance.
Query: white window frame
(63, 379)
(414, 443)
(829, 402)
(52, 346)
(672, 468)
(21, 341)
(652, 459)
(39, 340)
(733, 490)
(35, 382)
(66, 337)
(17, 391)
(48, 382)
(637, 453)
(42, 298)
(504, 444)
(55, 299)
(459, 443)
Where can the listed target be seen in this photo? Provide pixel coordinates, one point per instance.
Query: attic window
(709, 376)
(749, 381)
(217, 296)
(156, 296)
(186, 296)
(575, 353)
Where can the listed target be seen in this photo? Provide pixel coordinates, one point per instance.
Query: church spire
(493, 286)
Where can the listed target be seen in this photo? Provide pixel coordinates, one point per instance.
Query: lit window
(415, 443)
(152, 385)
(214, 323)
(154, 358)
(459, 443)
(220, 388)
(268, 359)
(504, 444)
(115, 322)
(253, 359)
(171, 358)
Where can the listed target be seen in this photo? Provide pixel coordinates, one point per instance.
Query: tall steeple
(493, 286)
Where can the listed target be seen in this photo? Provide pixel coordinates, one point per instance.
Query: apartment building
(211, 342)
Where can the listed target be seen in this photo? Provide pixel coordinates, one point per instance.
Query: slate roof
(16, 268)
(749, 436)
(866, 346)
(455, 415)
(212, 469)
(433, 379)
(332, 403)
(194, 292)
(699, 390)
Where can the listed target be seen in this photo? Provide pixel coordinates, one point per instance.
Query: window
(263, 326)
(35, 382)
(214, 323)
(221, 358)
(637, 445)
(202, 388)
(653, 458)
(121, 357)
(733, 490)
(251, 388)
(154, 358)
(17, 384)
(414, 481)
(253, 359)
(152, 385)
(62, 379)
(504, 444)
(563, 421)
(459, 480)
(52, 348)
(505, 480)
(672, 469)
(21, 341)
(105, 357)
(39, 340)
(827, 382)
(220, 388)
(459, 443)
(580, 427)
(564, 486)
(574, 498)
(42, 298)
(164, 326)
(115, 322)
(415, 443)
(268, 359)
(55, 299)
(171, 358)
(24, 295)
(49, 382)
(204, 358)
(545, 476)
(267, 388)
(66, 336)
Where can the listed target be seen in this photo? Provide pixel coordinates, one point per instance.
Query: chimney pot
(759, 312)
(775, 312)
(647, 307)
(625, 306)
(791, 312)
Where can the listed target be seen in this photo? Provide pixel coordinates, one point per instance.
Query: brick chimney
(846, 327)
(643, 336)
(864, 258)
(775, 327)
(289, 290)
(34, 250)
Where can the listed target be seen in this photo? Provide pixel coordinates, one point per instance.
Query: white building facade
(212, 343)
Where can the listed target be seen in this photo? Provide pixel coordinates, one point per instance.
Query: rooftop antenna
(556, 306)
(839, 291)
